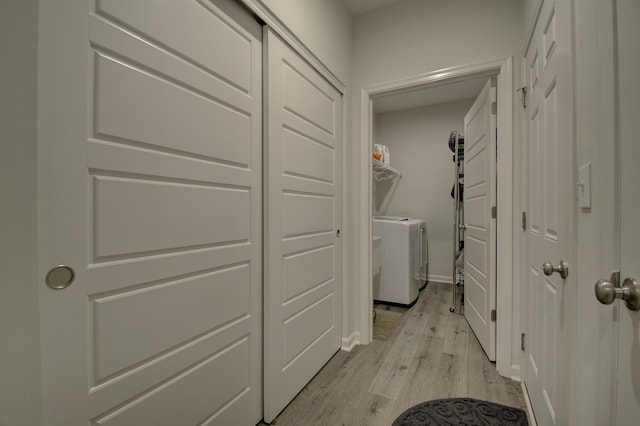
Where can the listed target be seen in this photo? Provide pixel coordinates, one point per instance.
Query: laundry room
(415, 183)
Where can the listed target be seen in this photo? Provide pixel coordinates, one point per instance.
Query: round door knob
(563, 269)
(60, 277)
(606, 293)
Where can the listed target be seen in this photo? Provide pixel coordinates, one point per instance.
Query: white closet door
(480, 234)
(302, 222)
(150, 188)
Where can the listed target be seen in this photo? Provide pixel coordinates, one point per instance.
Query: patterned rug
(461, 411)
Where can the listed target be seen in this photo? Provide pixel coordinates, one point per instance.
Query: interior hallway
(430, 354)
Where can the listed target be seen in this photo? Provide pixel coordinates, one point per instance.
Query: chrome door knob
(606, 293)
(563, 269)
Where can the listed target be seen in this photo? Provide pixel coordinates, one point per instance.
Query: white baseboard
(516, 375)
(348, 343)
(440, 278)
(531, 418)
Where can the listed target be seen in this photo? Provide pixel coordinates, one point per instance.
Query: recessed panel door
(302, 224)
(150, 189)
(550, 207)
(480, 233)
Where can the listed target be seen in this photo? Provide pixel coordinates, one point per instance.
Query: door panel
(479, 239)
(201, 383)
(307, 214)
(550, 204)
(166, 323)
(132, 107)
(162, 175)
(141, 216)
(304, 100)
(304, 271)
(302, 258)
(212, 35)
(305, 157)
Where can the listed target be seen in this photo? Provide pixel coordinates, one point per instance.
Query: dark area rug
(461, 411)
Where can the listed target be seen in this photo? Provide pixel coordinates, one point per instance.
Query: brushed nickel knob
(60, 277)
(563, 269)
(606, 293)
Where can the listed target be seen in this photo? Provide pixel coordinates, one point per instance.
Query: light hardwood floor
(431, 354)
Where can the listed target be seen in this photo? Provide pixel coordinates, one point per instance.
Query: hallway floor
(430, 354)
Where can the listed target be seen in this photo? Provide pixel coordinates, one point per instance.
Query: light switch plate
(584, 186)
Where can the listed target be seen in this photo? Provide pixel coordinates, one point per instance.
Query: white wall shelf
(382, 171)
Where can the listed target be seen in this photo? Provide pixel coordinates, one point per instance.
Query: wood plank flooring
(431, 354)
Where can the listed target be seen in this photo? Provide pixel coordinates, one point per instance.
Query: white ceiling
(357, 7)
(415, 98)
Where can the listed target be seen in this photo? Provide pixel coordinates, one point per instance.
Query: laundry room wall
(417, 140)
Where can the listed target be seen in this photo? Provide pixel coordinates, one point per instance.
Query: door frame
(595, 333)
(508, 243)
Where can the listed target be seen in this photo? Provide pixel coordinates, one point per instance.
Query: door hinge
(524, 221)
(494, 212)
(494, 108)
(522, 341)
(493, 315)
(523, 96)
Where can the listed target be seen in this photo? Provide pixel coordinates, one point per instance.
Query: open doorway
(438, 81)
(416, 127)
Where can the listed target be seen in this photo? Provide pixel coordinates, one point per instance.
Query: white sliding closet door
(302, 224)
(150, 188)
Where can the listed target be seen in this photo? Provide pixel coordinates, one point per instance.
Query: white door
(628, 34)
(150, 187)
(480, 235)
(302, 223)
(550, 206)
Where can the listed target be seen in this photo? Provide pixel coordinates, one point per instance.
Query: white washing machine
(398, 246)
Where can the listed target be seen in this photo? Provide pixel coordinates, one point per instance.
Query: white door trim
(597, 235)
(507, 323)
